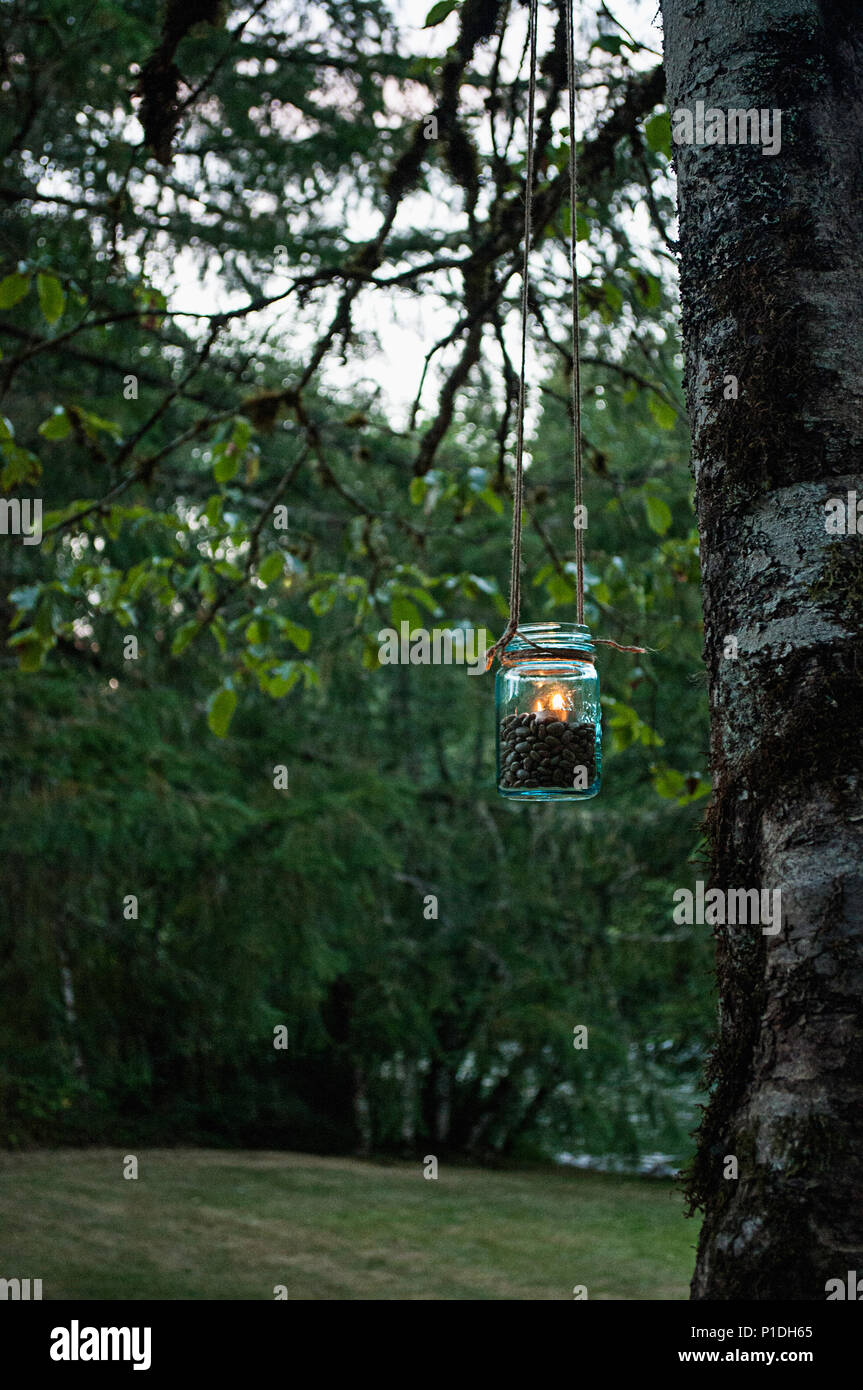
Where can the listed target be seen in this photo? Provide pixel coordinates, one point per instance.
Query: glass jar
(549, 736)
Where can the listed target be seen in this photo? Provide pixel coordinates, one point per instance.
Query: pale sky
(405, 325)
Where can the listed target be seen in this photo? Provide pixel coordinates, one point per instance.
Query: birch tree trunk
(772, 293)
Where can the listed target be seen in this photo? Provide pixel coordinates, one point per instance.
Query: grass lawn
(231, 1225)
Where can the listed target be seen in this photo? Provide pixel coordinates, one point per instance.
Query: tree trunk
(772, 294)
(70, 1007)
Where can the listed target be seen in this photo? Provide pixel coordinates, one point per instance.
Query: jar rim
(568, 638)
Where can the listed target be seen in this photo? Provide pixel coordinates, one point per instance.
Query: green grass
(231, 1225)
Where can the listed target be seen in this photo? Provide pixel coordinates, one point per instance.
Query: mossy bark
(771, 252)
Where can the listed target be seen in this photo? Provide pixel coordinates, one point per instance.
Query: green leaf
(610, 43)
(227, 463)
(277, 684)
(371, 654)
(677, 786)
(300, 636)
(183, 636)
(613, 296)
(559, 589)
(664, 414)
(667, 781)
(322, 600)
(649, 289)
(57, 426)
(31, 648)
(44, 620)
(417, 490)
(220, 710)
(272, 567)
(282, 678)
(93, 424)
(207, 585)
(52, 300)
(492, 501)
(658, 514)
(226, 570)
(241, 433)
(439, 12)
(427, 600)
(402, 610)
(627, 727)
(217, 628)
(21, 466)
(657, 133)
(30, 657)
(13, 288)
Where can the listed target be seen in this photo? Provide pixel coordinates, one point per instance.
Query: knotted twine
(575, 375)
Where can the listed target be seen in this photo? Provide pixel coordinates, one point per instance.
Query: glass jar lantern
(549, 736)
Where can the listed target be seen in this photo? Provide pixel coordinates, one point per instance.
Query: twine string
(518, 488)
(575, 375)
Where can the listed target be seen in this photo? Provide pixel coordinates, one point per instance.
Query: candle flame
(557, 703)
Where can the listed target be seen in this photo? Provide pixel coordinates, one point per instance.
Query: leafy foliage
(195, 387)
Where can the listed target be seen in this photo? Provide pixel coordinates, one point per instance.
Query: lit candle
(555, 709)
